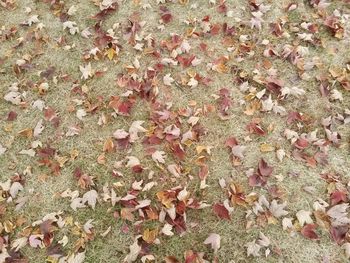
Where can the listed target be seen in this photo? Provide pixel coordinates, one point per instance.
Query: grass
(43, 188)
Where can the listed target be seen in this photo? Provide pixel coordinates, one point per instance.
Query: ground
(174, 131)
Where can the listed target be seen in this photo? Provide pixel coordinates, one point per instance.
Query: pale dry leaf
(214, 241)
(280, 153)
(346, 247)
(168, 80)
(38, 129)
(120, 134)
(16, 187)
(14, 97)
(267, 104)
(75, 258)
(339, 214)
(166, 230)
(134, 130)
(263, 241)
(159, 156)
(86, 71)
(90, 197)
(18, 243)
(132, 161)
(4, 254)
(63, 241)
(192, 83)
(287, 223)
(2, 149)
(277, 210)
(72, 27)
(88, 226)
(253, 249)
(135, 250)
(238, 150)
(29, 152)
(304, 217)
(105, 233)
(81, 113)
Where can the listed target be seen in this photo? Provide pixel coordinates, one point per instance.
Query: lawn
(174, 131)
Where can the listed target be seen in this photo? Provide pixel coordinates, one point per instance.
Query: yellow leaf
(265, 147)
(108, 145)
(74, 153)
(26, 132)
(201, 148)
(110, 53)
(51, 259)
(150, 235)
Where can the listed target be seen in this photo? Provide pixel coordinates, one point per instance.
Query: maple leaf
(2, 149)
(339, 214)
(90, 197)
(38, 128)
(159, 156)
(88, 226)
(338, 197)
(72, 26)
(308, 231)
(304, 217)
(214, 241)
(134, 129)
(263, 241)
(253, 249)
(264, 169)
(277, 210)
(15, 188)
(86, 71)
(18, 243)
(132, 161)
(221, 211)
(149, 235)
(167, 80)
(81, 113)
(76, 258)
(166, 230)
(346, 247)
(77, 203)
(14, 97)
(135, 250)
(238, 150)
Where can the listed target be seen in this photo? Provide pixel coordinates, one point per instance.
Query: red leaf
(338, 197)
(166, 18)
(222, 9)
(215, 29)
(301, 143)
(293, 116)
(338, 234)
(257, 180)
(178, 151)
(231, 141)
(264, 169)
(165, 14)
(105, 12)
(308, 231)
(203, 172)
(11, 116)
(255, 128)
(221, 211)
